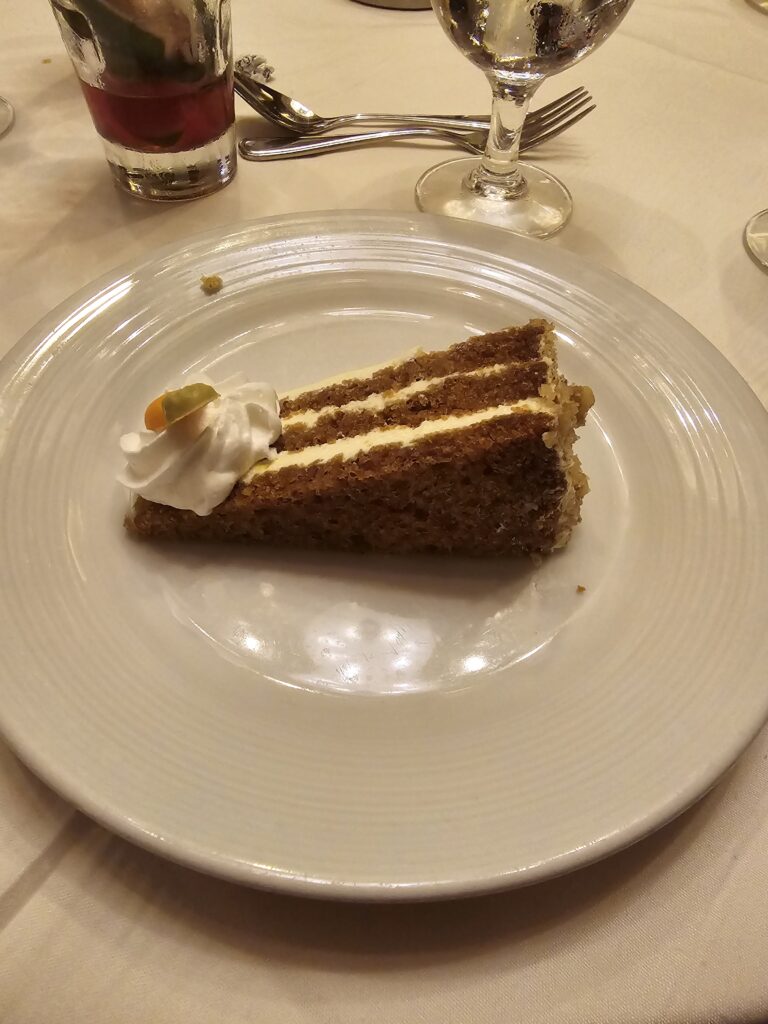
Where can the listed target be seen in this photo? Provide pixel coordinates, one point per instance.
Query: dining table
(664, 175)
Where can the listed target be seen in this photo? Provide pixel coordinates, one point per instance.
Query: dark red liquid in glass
(161, 116)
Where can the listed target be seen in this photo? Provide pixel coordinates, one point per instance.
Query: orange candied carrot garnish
(175, 405)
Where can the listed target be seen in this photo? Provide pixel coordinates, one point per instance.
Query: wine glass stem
(498, 176)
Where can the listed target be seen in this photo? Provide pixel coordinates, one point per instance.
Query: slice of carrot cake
(466, 450)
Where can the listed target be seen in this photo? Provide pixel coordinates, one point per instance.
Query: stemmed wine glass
(756, 231)
(6, 116)
(756, 237)
(517, 44)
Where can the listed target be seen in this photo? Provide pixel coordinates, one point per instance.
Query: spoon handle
(459, 122)
(279, 149)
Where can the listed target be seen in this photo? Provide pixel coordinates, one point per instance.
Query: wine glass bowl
(528, 40)
(517, 44)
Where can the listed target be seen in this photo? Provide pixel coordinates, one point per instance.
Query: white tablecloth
(664, 175)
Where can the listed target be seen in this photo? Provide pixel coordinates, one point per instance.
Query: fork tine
(536, 138)
(534, 116)
(550, 108)
(564, 110)
(553, 104)
(560, 100)
(553, 120)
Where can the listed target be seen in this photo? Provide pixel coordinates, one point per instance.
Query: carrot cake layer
(464, 450)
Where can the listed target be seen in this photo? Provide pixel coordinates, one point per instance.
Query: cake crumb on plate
(211, 284)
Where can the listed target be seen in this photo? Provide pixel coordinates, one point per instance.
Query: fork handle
(280, 149)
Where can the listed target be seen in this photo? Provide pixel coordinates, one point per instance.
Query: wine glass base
(756, 238)
(542, 212)
(6, 116)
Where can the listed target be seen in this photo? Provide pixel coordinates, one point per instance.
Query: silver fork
(542, 125)
(252, 84)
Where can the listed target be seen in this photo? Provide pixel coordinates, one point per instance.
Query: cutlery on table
(296, 117)
(535, 132)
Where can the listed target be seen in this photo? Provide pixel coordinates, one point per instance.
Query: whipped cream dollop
(195, 462)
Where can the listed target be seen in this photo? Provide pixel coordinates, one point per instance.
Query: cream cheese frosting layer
(350, 447)
(382, 399)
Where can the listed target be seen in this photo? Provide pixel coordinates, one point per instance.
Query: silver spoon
(296, 117)
(288, 113)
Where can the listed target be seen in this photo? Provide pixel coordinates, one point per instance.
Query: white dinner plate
(371, 727)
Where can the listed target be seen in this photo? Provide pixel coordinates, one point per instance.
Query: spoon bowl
(287, 112)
